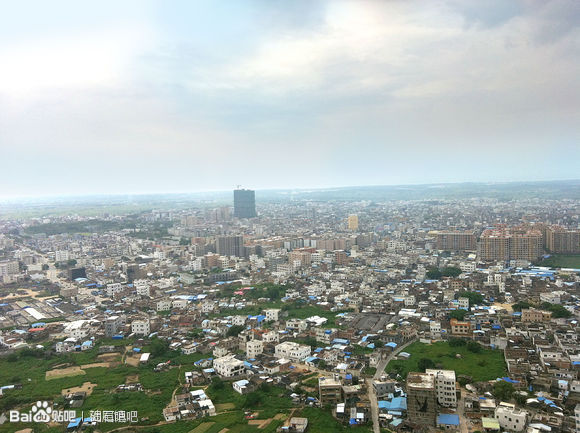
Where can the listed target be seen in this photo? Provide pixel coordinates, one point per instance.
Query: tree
(474, 297)
(474, 347)
(234, 330)
(522, 305)
(503, 390)
(217, 384)
(434, 274)
(451, 271)
(558, 311)
(159, 347)
(456, 342)
(45, 267)
(425, 363)
(458, 314)
(252, 400)
(71, 262)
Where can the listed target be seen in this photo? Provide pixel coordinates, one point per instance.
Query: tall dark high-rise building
(244, 203)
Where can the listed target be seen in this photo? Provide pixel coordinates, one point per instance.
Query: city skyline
(193, 96)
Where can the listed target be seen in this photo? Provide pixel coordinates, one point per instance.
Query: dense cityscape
(294, 315)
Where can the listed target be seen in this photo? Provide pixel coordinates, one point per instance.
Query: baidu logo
(41, 412)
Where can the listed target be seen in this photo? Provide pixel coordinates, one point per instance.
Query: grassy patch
(321, 421)
(483, 366)
(562, 261)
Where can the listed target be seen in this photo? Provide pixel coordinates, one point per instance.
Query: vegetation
(234, 330)
(474, 297)
(521, 305)
(503, 390)
(562, 261)
(449, 271)
(484, 365)
(558, 311)
(424, 364)
(458, 314)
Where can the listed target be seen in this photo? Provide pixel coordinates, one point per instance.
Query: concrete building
(9, 267)
(562, 241)
(228, 366)
(421, 399)
(230, 246)
(330, 390)
(460, 328)
(292, 351)
(244, 203)
(254, 348)
(272, 314)
(510, 417)
(140, 327)
(515, 243)
(531, 315)
(113, 288)
(435, 329)
(112, 325)
(353, 222)
(456, 241)
(444, 387)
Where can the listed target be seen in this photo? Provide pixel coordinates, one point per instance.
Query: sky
(194, 95)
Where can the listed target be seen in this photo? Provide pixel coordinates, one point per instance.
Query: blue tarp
(448, 419)
(396, 404)
(75, 423)
(508, 380)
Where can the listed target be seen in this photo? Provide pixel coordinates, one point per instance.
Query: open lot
(486, 365)
(562, 261)
(85, 387)
(64, 372)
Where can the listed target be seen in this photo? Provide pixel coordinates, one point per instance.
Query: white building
(435, 329)
(577, 417)
(61, 256)
(270, 337)
(9, 268)
(228, 366)
(272, 314)
(444, 387)
(113, 288)
(292, 351)
(510, 417)
(241, 386)
(142, 287)
(164, 305)
(140, 327)
(463, 303)
(254, 348)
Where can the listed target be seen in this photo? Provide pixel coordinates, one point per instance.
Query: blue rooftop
(448, 419)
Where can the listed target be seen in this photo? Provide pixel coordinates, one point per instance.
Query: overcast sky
(170, 96)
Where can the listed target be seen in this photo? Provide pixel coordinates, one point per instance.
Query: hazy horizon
(333, 188)
(150, 97)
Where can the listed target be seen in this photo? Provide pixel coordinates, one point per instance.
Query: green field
(29, 367)
(483, 366)
(562, 261)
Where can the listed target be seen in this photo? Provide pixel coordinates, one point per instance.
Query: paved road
(374, 406)
(371, 394)
(463, 422)
(383, 363)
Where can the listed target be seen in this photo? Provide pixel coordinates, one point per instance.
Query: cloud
(200, 95)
